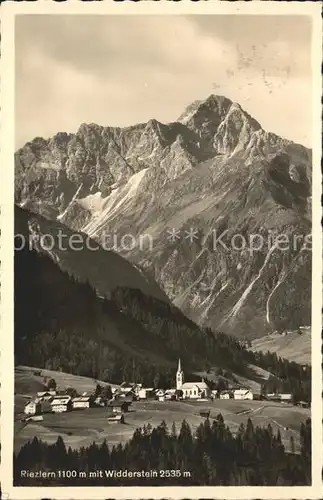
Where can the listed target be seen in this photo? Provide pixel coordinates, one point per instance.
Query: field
(28, 383)
(82, 427)
(292, 346)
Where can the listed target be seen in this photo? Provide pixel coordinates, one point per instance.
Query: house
(137, 388)
(160, 394)
(126, 387)
(100, 401)
(146, 393)
(273, 397)
(214, 393)
(125, 384)
(170, 394)
(191, 390)
(280, 397)
(225, 395)
(46, 395)
(303, 404)
(82, 402)
(32, 408)
(129, 389)
(61, 404)
(129, 396)
(286, 397)
(205, 413)
(119, 406)
(116, 419)
(242, 394)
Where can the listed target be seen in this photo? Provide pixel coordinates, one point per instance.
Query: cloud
(272, 41)
(119, 70)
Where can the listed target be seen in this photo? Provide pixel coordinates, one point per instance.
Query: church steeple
(179, 376)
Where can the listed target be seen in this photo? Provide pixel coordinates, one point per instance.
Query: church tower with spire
(179, 376)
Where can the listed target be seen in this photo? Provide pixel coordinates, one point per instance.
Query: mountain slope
(75, 252)
(61, 323)
(294, 346)
(170, 191)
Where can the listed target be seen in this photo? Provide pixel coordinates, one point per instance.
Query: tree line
(212, 455)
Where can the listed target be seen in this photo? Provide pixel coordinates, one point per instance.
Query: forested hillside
(60, 323)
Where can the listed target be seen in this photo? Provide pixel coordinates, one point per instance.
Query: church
(191, 390)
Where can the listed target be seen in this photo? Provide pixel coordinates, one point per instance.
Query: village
(118, 400)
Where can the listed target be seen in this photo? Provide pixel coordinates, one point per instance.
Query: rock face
(162, 196)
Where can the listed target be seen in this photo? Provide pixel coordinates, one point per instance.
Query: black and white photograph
(165, 322)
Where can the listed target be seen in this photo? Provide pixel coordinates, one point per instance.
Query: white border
(8, 11)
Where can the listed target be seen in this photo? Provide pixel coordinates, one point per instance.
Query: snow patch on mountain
(62, 215)
(92, 202)
(118, 200)
(236, 308)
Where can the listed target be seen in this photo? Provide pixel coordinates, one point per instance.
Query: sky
(121, 70)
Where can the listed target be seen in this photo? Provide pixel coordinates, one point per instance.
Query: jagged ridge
(215, 168)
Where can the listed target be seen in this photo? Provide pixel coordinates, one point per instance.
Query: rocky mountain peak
(221, 124)
(214, 168)
(86, 128)
(211, 109)
(152, 124)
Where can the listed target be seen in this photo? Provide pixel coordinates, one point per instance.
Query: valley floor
(82, 427)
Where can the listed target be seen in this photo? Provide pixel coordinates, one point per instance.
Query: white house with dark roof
(81, 402)
(242, 394)
(191, 390)
(46, 395)
(170, 394)
(61, 404)
(32, 408)
(146, 393)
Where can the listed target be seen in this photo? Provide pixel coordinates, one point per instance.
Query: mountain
(163, 194)
(62, 324)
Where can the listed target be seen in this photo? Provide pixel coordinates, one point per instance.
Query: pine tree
(98, 390)
(173, 431)
(51, 384)
(250, 429)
